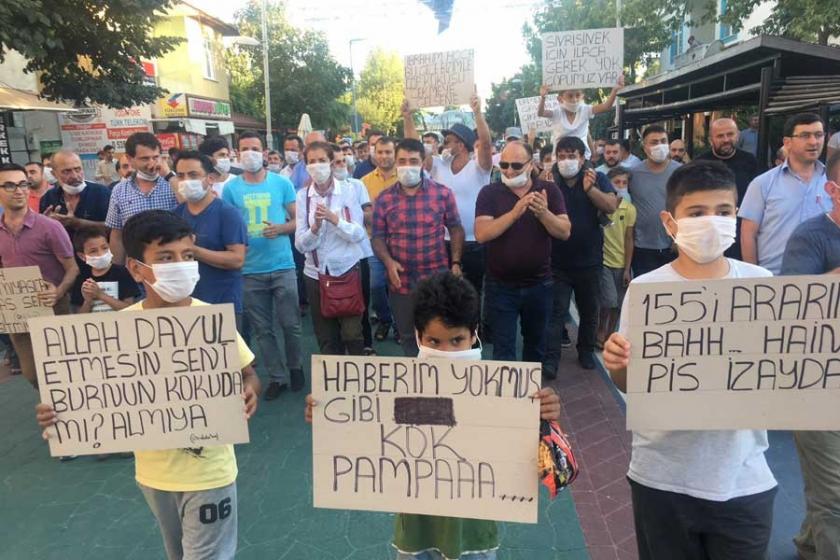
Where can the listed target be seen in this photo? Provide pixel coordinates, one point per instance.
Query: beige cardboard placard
(584, 58)
(526, 107)
(760, 353)
(140, 380)
(19, 288)
(440, 78)
(438, 437)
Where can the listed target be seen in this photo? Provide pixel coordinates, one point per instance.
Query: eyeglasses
(12, 187)
(809, 135)
(515, 165)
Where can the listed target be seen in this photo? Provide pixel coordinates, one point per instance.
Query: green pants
(819, 455)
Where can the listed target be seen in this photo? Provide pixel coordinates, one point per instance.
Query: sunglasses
(515, 165)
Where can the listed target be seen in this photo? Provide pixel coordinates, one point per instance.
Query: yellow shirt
(375, 182)
(189, 470)
(624, 217)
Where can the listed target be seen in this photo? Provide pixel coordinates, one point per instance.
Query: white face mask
(292, 157)
(372, 152)
(705, 238)
(516, 181)
(622, 193)
(101, 261)
(351, 161)
(151, 177)
(223, 165)
(275, 167)
(73, 189)
(660, 153)
(572, 107)
(174, 281)
(341, 173)
(568, 168)
(599, 150)
(48, 175)
(426, 352)
(320, 172)
(252, 161)
(446, 155)
(192, 189)
(430, 148)
(409, 175)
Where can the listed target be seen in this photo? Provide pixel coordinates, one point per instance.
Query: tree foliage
(87, 51)
(380, 90)
(304, 77)
(814, 21)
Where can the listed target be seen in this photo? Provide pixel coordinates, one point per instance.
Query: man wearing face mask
(349, 157)
(516, 219)
(293, 153)
(220, 233)
(274, 161)
(409, 221)
(647, 189)
(218, 150)
(74, 202)
(431, 142)
(367, 165)
(577, 262)
(145, 190)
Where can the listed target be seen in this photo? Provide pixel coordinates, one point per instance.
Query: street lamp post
(269, 136)
(353, 86)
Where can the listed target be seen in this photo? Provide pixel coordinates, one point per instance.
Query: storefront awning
(12, 99)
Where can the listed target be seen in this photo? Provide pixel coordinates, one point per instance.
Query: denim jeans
(270, 295)
(586, 284)
(379, 290)
(403, 307)
(506, 306)
(435, 555)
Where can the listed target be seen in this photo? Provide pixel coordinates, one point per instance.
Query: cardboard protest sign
(583, 58)
(528, 118)
(19, 301)
(758, 353)
(440, 437)
(441, 78)
(139, 380)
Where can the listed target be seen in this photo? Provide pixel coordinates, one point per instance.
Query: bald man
(74, 202)
(723, 137)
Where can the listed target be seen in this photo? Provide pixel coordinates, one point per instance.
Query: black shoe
(298, 379)
(368, 351)
(68, 458)
(565, 341)
(274, 390)
(382, 330)
(587, 360)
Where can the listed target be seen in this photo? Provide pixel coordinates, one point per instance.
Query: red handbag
(341, 296)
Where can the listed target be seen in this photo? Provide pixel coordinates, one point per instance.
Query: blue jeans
(506, 306)
(270, 295)
(435, 555)
(379, 290)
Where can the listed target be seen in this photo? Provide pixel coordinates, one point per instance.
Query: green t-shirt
(452, 536)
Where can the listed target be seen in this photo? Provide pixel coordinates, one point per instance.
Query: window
(725, 32)
(677, 43)
(209, 59)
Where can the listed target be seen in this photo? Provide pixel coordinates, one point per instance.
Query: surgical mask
(252, 161)
(568, 168)
(430, 148)
(351, 161)
(223, 165)
(48, 175)
(320, 172)
(174, 281)
(516, 181)
(275, 167)
(292, 157)
(192, 189)
(572, 107)
(151, 177)
(73, 189)
(599, 150)
(622, 193)
(101, 261)
(705, 238)
(372, 151)
(426, 352)
(340, 173)
(446, 155)
(409, 175)
(660, 153)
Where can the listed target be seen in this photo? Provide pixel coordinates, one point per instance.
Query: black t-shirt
(742, 164)
(116, 281)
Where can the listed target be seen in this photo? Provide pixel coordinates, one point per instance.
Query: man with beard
(75, 202)
(723, 136)
(612, 156)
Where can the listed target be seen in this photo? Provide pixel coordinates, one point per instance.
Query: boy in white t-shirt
(697, 494)
(573, 117)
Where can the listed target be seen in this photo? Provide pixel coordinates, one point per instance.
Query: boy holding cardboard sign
(697, 494)
(192, 492)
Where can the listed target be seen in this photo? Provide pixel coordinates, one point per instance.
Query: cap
(464, 134)
(513, 132)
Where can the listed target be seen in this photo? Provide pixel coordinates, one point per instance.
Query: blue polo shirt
(300, 176)
(216, 227)
(778, 201)
(259, 203)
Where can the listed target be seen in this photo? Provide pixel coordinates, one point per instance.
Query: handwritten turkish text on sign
(154, 379)
(19, 301)
(758, 353)
(441, 78)
(528, 118)
(438, 437)
(583, 58)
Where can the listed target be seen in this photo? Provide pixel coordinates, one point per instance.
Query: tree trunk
(823, 35)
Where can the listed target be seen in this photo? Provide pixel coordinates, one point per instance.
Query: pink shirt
(42, 242)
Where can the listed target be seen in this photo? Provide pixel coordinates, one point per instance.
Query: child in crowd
(446, 316)
(618, 254)
(697, 494)
(572, 119)
(101, 285)
(178, 483)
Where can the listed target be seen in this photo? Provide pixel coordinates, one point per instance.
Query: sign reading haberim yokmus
(758, 353)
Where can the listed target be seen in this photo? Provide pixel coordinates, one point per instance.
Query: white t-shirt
(715, 465)
(465, 185)
(834, 141)
(220, 187)
(364, 198)
(561, 127)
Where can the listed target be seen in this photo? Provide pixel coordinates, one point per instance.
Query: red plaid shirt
(413, 228)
